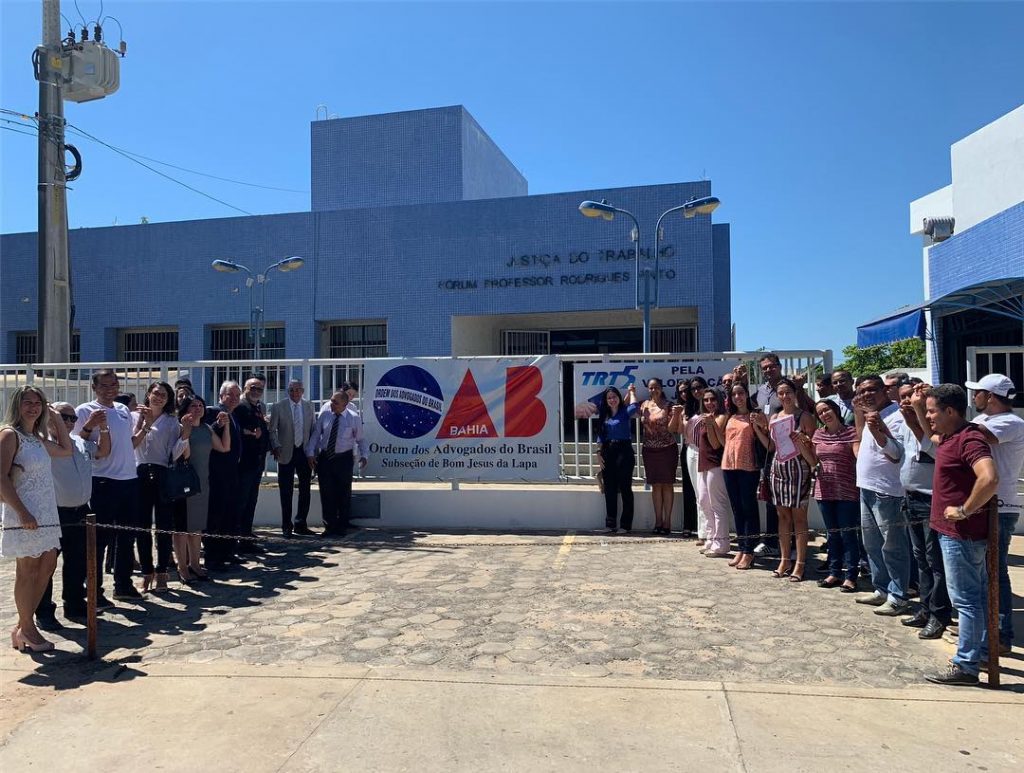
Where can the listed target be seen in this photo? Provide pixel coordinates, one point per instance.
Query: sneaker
(893, 609)
(876, 599)
(128, 593)
(953, 675)
(763, 551)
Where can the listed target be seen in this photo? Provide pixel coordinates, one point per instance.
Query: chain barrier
(761, 536)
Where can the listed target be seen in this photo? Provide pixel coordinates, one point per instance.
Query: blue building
(421, 239)
(973, 232)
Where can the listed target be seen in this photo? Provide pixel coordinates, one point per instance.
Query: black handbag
(180, 482)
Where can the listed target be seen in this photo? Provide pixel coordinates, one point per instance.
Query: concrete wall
(988, 170)
(502, 508)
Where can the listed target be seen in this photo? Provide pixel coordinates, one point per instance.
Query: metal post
(992, 564)
(647, 310)
(53, 331)
(91, 584)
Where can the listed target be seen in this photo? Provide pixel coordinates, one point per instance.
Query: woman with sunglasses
(712, 492)
(676, 425)
(742, 472)
(158, 443)
(660, 453)
(31, 525)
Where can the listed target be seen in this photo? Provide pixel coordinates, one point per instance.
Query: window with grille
(674, 339)
(235, 343)
(149, 345)
(358, 340)
(523, 342)
(25, 347)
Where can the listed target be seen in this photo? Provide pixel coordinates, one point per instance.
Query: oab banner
(449, 419)
(592, 378)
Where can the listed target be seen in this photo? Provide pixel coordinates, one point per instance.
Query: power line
(157, 171)
(194, 171)
(18, 131)
(125, 151)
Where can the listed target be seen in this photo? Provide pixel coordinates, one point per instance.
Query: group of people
(902, 480)
(114, 458)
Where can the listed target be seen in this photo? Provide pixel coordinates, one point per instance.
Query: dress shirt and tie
(337, 433)
(336, 441)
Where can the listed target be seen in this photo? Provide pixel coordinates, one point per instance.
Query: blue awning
(1003, 297)
(906, 323)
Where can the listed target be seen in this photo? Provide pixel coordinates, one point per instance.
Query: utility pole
(53, 330)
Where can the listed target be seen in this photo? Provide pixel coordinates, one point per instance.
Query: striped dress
(791, 480)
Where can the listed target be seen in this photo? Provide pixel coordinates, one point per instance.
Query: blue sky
(817, 123)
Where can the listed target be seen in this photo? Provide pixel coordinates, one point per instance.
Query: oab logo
(408, 403)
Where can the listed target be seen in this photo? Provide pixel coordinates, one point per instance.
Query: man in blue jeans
(879, 425)
(965, 479)
(917, 473)
(1004, 430)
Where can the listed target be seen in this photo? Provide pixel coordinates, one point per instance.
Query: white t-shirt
(877, 470)
(120, 464)
(1008, 429)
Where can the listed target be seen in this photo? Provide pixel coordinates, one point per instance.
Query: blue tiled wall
(373, 263)
(486, 171)
(993, 249)
(413, 157)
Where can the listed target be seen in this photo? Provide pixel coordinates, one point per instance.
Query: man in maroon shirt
(965, 480)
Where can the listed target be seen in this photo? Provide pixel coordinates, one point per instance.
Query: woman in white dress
(31, 528)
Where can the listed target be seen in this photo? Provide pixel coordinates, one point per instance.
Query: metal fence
(70, 382)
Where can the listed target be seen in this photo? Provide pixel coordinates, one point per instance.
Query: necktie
(297, 423)
(333, 439)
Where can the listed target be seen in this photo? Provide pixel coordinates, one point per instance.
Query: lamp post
(257, 280)
(602, 209)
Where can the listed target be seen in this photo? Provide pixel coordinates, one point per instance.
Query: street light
(285, 265)
(699, 206)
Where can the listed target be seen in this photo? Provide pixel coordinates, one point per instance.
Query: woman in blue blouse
(615, 434)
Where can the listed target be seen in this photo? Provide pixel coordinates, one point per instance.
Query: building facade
(973, 258)
(421, 240)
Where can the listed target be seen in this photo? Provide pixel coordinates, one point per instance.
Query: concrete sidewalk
(350, 718)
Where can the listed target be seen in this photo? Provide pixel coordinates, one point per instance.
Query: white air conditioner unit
(90, 71)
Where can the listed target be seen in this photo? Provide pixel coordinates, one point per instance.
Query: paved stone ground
(583, 605)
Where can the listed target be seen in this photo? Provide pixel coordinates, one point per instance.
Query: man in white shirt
(886, 541)
(291, 422)
(1004, 430)
(333, 444)
(115, 482)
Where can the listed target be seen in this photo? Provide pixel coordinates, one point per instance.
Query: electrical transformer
(90, 71)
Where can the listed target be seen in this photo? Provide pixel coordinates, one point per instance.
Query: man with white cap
(1004, 430)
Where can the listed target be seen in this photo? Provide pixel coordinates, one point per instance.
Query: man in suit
(291, 421)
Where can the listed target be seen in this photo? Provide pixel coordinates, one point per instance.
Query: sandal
(781, 572)
(830, 582)
(796, 576)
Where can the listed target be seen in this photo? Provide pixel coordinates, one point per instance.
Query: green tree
(879, 359)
